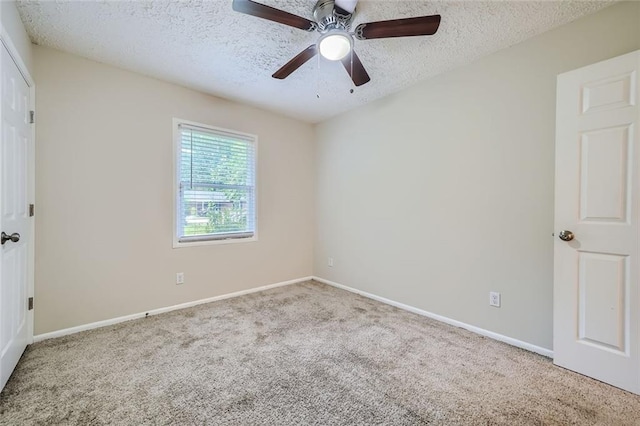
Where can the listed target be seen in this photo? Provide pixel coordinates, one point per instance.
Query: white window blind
(216, 182)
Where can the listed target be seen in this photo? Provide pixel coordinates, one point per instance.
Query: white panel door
(596, 297)
(14, 216)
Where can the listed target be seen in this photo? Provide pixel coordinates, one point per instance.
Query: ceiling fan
(333, 21)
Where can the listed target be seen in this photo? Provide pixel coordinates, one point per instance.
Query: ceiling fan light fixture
(335, 45)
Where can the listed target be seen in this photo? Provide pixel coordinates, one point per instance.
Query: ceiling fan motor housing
(329, 17)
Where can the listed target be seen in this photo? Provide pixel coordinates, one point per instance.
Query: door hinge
(32, 210)
(32, 117)
(30, 303)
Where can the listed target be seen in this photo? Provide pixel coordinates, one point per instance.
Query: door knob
(14, 238)
(566, 235)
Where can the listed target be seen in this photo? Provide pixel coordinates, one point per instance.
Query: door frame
(5, 39)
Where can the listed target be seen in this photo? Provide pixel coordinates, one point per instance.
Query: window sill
(213, 242)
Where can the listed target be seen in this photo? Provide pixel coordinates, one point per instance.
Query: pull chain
(352, 83)
(318, 78)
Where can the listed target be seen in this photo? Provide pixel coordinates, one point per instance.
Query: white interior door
(596, 330)
(14, 217)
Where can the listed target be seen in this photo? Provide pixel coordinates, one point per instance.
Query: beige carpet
(302, 354)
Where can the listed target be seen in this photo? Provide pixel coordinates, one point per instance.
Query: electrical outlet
(330, 262)
(180, 278)
(494, 299)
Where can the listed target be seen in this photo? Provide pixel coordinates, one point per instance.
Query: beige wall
(436, 195)
(104, 195)
(13, 26)
(431, 197)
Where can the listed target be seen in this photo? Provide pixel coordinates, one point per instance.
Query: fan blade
(360, 75)
(347, 5)
(272, 14)
(421, 25)
(296, 62)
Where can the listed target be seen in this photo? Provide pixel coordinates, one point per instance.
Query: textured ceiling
(207, 46)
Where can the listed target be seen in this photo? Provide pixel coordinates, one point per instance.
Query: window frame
(177, 146)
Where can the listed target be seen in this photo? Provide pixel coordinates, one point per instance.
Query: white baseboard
(104, 323)
(481, 331)
(478, 330)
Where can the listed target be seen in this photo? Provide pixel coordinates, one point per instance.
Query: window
(215, 185)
